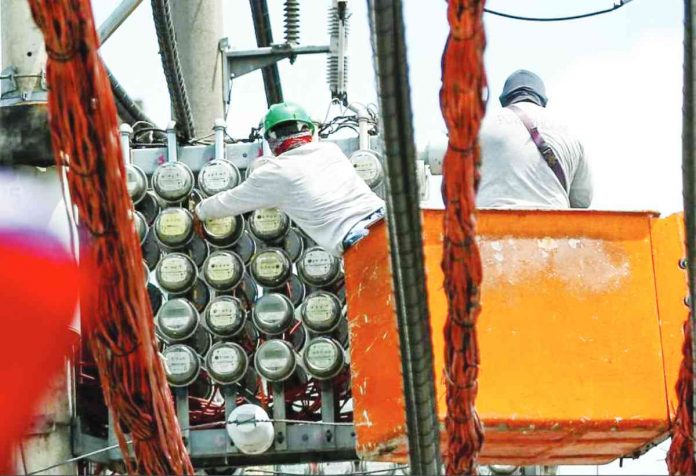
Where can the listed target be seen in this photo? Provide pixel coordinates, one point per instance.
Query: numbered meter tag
(178, 363)
(173, 224)
(222, 268)
(171, 179)
(225, 360)
(224, 314)
(218, 176)
(175, 269)
(220, 226)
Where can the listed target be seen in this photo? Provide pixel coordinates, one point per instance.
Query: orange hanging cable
(463, 107)
(84, 133)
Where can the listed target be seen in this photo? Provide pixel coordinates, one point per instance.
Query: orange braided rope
(463, 107)
(84, 133)
(680, 457)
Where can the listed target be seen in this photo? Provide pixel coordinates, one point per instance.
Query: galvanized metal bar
(405, 237)
(182, 413)
(689, 176)
(281, 440)
(116, 19)
(264, 37)
(229, 393)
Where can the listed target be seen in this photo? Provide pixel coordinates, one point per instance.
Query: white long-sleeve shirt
(314, 184)
(513, 172)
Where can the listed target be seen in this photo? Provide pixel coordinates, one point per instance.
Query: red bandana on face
(284, 144)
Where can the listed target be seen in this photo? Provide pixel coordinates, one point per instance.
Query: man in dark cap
(529, 158)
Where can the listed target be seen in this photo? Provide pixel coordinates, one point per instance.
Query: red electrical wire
(463, 106)
(680, 457)
(84, 133)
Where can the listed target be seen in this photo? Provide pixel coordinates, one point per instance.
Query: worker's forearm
(229, 203)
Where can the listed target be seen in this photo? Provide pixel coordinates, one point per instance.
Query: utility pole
(24, 140)
(198, 27)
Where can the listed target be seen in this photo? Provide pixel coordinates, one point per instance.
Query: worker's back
(513, 172)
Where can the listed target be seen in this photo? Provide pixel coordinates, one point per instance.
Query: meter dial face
(225, 316)
(271, 267)
(182, 365)
(223, 270)
(321, 312)
(273, 314)
(177, 320)
(323, 358)
(269, 224)
(174, 227)
(172, 181)
(217, 176)
(176, 273)
(224, 232)
(368, 167)
(318, 267)
(275, 360)
(226, 362)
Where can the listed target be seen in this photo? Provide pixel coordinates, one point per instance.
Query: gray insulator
(292, 21)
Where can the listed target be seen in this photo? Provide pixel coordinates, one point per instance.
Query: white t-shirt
(515, 175)
(314, 184)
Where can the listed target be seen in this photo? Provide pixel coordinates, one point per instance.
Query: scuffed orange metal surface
(580, 335)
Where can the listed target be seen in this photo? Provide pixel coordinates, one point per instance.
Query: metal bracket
(237, 63)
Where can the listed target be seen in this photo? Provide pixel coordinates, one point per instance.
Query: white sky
(617, 79)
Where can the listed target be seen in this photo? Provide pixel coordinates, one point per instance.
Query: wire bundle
(463, 106)
(84, 132)
(680, 458)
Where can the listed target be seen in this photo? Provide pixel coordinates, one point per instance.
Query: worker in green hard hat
(312, 181)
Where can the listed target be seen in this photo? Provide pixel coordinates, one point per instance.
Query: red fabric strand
(462, 104)
(680, 457)
(84, 133)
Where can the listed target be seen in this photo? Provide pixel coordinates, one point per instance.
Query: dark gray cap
(523, 85)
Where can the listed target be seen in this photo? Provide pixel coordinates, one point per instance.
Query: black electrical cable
(555, 19)
(166, 38)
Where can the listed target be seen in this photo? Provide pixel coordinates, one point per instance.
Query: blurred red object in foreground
(39, 288)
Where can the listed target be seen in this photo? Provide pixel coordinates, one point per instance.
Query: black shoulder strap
(546, 152)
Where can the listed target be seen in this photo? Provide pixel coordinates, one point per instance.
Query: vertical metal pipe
(264, 37)
(219, 128)
(689, 175)
(198, 27)
(22, 43)
(406, 245)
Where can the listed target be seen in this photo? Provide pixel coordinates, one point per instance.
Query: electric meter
(321, 312)
(199, 295)
(136, 183)
(226, 363)
(172, 181)
(182, 365)
(271, 268)
(200, 342)
(224, 232)
(174, 228)
(269, 224)
(198, 250)
(250, 429)
(245, 247)
(141, 227)
(156, 297)
(149, 207)
(295, 289)
(317, 267)
(368, 166)
(323, 358)
(224, 316)
(217, 176)
(293, 244)
(273, 314)
(275, 360)
(176, 273)
(223, 270)
(177, 320)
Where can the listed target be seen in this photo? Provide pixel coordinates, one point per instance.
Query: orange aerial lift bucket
(580, 335)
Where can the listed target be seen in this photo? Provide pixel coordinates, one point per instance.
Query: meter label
(173, 224)
(269, 266)
(322, 355)
(220, 226)
(269, 220)
(174, 270)
(320, 309)
(318, 264)
(223, 314)
(171, 179)
(225, 360)
(216, 177)
(222, 268)
(178, 363)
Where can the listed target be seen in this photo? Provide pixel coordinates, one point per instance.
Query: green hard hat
(286, 112)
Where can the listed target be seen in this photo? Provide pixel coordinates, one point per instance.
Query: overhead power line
(554, 19)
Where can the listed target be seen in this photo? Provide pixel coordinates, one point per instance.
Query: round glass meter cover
(273, 314)
(226, 362)
(225, 316)
(223, 270)
(275, 360)
(271, 267)
(217, 176)
(321, 311)
(318, 267)
(176, 273)
(182, 365)
(269, 224)
(172, 181)
(323, 358)
(174, 227)
(177, 320)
